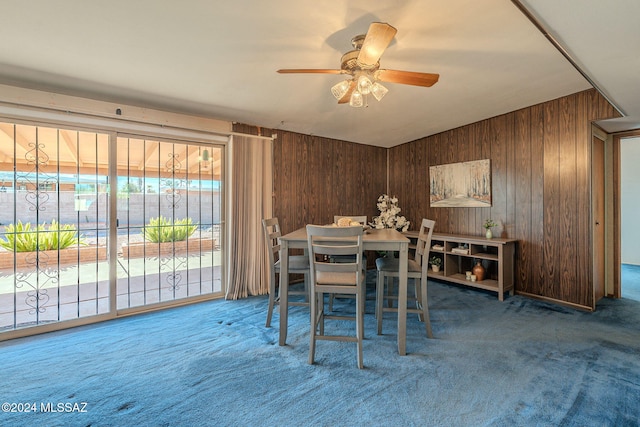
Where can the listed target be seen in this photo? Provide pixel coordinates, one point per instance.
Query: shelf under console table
(497, 256)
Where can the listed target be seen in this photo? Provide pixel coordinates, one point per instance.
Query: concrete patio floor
(84, 289)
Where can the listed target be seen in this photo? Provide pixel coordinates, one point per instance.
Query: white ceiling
(219, 58)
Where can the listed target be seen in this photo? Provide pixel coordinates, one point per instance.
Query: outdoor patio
(80, 290)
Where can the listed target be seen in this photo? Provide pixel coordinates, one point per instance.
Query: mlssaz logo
(63, 407)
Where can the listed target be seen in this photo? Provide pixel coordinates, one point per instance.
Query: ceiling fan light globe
(378, 91)
(356, 99)
(340, 89)
(364, 85)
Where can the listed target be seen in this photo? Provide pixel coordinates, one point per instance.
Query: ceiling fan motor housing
(349, 61)
(350, 64)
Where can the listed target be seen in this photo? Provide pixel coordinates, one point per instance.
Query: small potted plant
(488, 225)
(435, 262)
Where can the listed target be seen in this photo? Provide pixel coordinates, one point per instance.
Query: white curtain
(250, 200)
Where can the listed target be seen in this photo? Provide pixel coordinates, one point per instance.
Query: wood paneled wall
(541, 185)
(316, 178)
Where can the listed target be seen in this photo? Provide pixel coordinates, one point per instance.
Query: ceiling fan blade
(375, 42)
(309, 70)
(407, 77)
(347, 96)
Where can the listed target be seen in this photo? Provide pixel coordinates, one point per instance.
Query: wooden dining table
(374, 240)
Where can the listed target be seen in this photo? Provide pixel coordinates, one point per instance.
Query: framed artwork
(463, 185)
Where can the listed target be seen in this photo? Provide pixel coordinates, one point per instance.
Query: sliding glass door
(93, 224)
(169, 209)
(53, 225)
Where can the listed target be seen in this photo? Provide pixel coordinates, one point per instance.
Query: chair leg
(425, 307)
(376, 310)
(314, 326)
(363, 305)
(391, 285)
(306, 287)
(418, 295)
(380, 279)
(320, 311)
(360, 326)
(272, 298)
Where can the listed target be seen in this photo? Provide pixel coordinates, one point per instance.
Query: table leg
(402, 299)
(284, 290)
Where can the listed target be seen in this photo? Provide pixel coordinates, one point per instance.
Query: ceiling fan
(363, 66)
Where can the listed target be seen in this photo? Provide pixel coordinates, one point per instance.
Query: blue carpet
(519, 362)
(630, 276)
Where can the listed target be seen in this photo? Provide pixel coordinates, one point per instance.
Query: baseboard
(555, 301)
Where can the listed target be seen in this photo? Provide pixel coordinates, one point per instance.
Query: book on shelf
(463, 251)
(437, 247)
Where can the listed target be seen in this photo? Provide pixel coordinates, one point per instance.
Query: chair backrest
(272, 236)
(423, 244)
(326, 241)
(361, 219)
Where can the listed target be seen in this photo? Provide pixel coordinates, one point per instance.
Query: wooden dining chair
(298, 264)
(387, 267)
(344, 278)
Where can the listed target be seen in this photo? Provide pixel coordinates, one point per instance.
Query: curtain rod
(272, 137)
(60, 114)
(21, 111)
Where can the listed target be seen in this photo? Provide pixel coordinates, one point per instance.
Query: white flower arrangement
(389, 218)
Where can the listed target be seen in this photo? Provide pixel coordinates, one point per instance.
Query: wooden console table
(497, 256)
